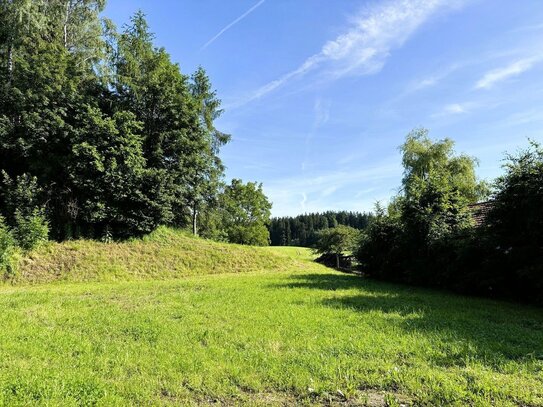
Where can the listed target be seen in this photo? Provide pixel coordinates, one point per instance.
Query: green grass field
(286, 332)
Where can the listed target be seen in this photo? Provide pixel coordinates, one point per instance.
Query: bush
(253, 235)
(8, 251)
(380, 249)
(428, 237)
(20, 193)
(245, 212)
(515, 225)
(31, 230)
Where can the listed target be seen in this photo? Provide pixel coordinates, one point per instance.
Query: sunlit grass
(304, 335)
(165, 254)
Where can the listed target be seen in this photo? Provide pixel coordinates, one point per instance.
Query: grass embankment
(302, 334)
(165, 254)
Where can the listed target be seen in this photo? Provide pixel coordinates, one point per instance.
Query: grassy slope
(164, 254)
(298, 334)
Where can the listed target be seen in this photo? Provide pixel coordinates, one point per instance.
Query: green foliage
(30, 230)
(516, 216)
(246, 213)
(101, 127)
(436, 189)
(22, 195)
(424, 159)
(381, 247)
(427, 236)
(409, 241)
(337, 241)
(8, 266)
(203, 179)
(513, 237)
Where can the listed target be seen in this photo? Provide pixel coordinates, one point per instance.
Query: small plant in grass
(31, 230)
(107, 236)
(390, 401)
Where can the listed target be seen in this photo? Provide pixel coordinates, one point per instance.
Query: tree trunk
(10, 64)
(194, 220)
(66, 24)
(337, 261)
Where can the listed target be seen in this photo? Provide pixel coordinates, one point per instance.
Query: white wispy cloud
(303, 201)
(322, 112)
(494, 76)
(455, 108)
(233, 23)
(365, 46)
(321, 108)
(432, 80)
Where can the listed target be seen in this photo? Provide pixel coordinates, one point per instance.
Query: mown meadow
(298, 334)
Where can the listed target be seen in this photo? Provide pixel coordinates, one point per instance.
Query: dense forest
(102, 135)
(303, 230)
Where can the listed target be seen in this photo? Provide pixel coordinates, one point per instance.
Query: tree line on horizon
(303, 230)
(103, 136)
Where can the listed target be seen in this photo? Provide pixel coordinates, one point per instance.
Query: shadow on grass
(487, 331)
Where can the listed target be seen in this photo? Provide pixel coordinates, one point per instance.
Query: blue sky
(319, 94)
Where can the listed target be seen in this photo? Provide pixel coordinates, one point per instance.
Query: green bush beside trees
(31, 230)
(7, 251)
(427, 235)
(242, 215)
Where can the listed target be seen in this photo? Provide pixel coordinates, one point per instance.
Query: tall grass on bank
(164, 254)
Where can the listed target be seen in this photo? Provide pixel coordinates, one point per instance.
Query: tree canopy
(246, 213)
(101, 129)
(337, 242)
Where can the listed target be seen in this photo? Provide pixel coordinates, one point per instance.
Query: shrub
(31, 230)
(515, 225)
(380, 248)
(245, 213)
(8, 251)
(21, 193)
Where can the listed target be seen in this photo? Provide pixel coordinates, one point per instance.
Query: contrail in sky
(233, 23)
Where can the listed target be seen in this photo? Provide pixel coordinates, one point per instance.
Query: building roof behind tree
(480, 211)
